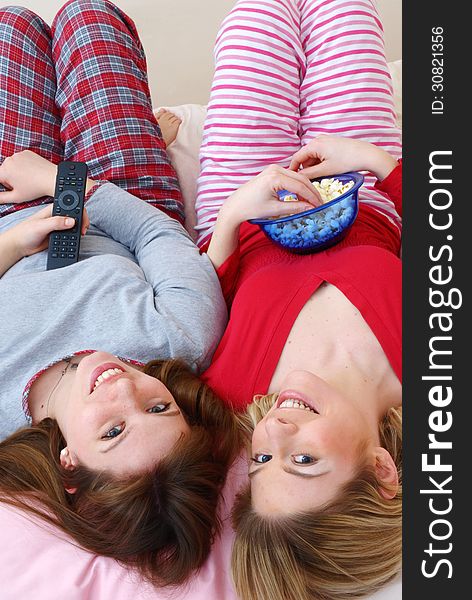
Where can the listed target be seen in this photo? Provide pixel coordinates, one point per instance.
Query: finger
(321, 170)
(85, 222)
(299, 176)
(56, 224)
(301, 186)
(311, 194)
(283, 209)
(297, 163)
(304, 156)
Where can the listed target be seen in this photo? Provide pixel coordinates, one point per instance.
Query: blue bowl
(318, 228)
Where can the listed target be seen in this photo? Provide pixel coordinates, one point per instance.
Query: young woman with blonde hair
(321, 333)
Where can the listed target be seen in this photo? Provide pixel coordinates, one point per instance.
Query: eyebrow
(293, 472)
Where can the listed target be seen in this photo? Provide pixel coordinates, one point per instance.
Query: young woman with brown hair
(161, 520)
(126, 456)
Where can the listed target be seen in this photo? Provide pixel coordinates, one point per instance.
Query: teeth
(292, 403)
(105, 375)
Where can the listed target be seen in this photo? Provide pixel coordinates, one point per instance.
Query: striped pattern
(100, 112)
(285, 72)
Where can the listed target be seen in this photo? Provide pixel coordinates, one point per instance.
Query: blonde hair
(347, 549)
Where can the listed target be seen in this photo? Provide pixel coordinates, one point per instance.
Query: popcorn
(328, 188)
(331, 188)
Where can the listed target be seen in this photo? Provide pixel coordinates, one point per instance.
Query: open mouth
(103, 373)
(289, 399)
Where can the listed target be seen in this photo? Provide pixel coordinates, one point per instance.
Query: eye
(159, 408)
(114, 432)
(261, 458)
(303, 459)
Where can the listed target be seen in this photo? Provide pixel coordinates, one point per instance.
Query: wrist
(229, 217)
(11, 249)
(50, 183)
(382, 164)
(225, 238)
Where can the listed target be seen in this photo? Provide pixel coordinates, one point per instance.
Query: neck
(43, 394)
(39, 398)
(373, 387)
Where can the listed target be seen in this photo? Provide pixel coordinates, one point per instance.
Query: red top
(266, 287)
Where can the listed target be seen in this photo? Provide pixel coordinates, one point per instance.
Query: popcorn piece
(331, 188)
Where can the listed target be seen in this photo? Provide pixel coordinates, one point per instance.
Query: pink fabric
(37, 561)
(287, 71)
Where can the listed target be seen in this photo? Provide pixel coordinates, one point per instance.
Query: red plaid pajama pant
(79, 91)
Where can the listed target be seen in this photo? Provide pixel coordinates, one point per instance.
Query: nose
(123, 390)
(278, 427)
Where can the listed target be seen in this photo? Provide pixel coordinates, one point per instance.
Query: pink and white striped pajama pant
(287, 71)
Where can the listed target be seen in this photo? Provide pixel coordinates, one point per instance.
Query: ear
(68, 459)
(386, 472)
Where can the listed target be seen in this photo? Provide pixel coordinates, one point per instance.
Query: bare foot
(169, 125)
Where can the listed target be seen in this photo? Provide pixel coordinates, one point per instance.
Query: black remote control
(68, 202)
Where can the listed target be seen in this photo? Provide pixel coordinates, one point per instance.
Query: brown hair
(346, 549)
(161, 522)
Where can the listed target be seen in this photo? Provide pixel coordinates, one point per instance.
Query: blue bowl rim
(354, 175)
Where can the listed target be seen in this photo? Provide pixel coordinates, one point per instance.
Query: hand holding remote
(68, 202)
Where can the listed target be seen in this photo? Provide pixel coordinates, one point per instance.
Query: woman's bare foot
(169, 125)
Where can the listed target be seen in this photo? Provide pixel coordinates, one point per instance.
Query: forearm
(185, 286)
(380, 163)
(225, 238)
(9, 252)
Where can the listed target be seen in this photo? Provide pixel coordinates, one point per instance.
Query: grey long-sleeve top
(141, 290)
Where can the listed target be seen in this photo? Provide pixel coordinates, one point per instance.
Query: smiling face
(308, 445)
(114, 417)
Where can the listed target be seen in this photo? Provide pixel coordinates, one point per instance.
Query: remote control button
(56, 236)
(73, 237)
(63, 255)
(71, 256)
(72, 167)
(68, 200)
(55, 255)
(56, 242)
(72, 244)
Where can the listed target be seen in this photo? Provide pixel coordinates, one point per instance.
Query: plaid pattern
(29, 118)
(103, 114)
